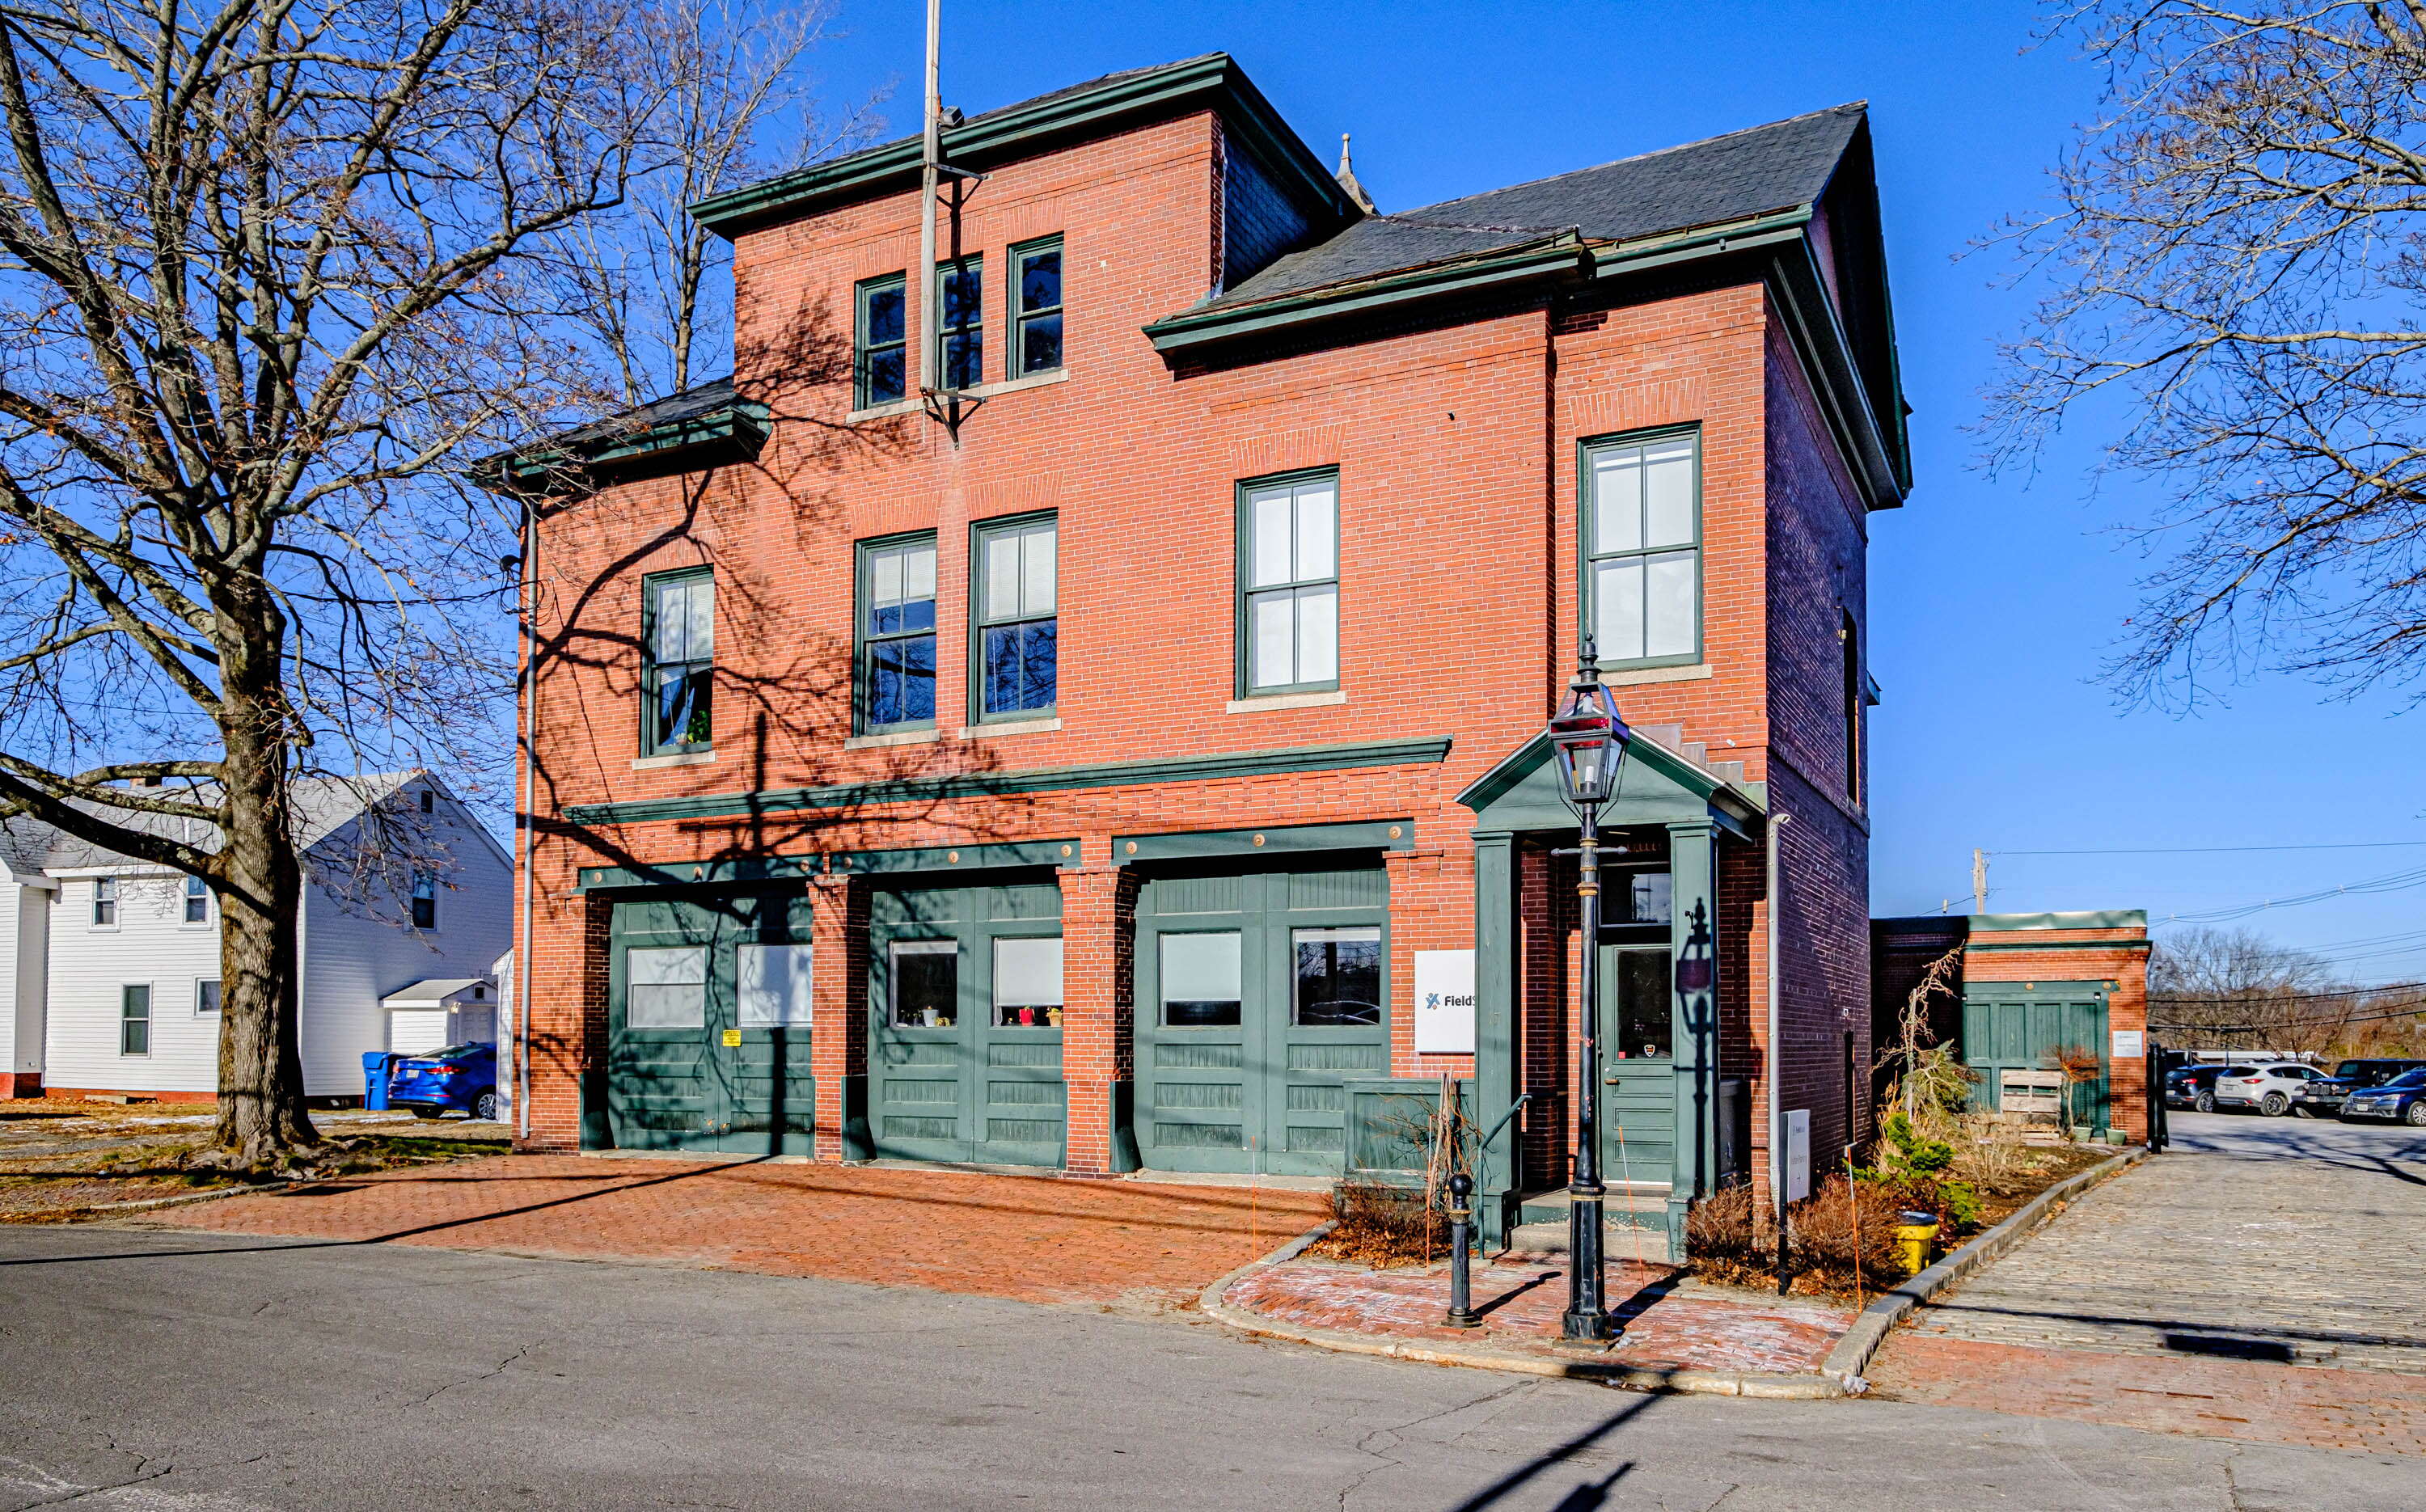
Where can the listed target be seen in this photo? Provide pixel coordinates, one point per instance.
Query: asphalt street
(150, 1372)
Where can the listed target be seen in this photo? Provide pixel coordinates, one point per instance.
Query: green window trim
(1042, 319)
(957, 295)
(1302, 584)
(1036, 627)
(694, 701)
(1652, 555)
(872, 349)
(867, 641)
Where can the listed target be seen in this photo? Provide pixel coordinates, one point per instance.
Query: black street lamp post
(1589, 741)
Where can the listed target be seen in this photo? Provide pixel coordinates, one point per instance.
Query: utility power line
(2249, 1000)
(2212, 850)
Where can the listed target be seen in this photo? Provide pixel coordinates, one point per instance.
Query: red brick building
(1096, 782)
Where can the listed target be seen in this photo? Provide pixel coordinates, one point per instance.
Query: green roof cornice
(1213, 82)
(1001, 784)
(731, 433)
(1560, 255)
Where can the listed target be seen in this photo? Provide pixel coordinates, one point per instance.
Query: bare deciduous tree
(262, 276)
(2234, 268)
(2237, 986)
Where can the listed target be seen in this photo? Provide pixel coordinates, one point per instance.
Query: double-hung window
(206, 996)
(198, 901)
(677, 662)
(1642, 548)
(896, 633)
(135, 1019)
(425, 901)
(1018, 633)
(104, 901)
(1289, 566)
(1036, 309)
(880, 365)
(959, 325)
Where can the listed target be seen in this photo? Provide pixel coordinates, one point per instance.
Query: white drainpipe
(1777, 823)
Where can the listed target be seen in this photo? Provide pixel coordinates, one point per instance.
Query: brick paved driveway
(2262, 1280)
(1036, 1239)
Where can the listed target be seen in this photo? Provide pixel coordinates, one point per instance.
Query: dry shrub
(1832, 1243)
(1381, 1225)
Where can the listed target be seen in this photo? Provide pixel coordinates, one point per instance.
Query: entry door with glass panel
(965, 1025)
(1259, 997)
(1638, 1015)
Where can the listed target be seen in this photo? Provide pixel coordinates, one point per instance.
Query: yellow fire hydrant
(1915, 1236)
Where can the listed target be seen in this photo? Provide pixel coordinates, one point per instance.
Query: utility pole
(1979, 881)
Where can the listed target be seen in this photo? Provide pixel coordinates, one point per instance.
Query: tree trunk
(262, 1120)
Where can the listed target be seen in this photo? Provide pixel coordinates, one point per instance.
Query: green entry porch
(1664, 1129)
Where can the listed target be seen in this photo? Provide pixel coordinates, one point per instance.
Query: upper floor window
(425, 901)
(1018, 632)
(960, 323)
(206, 996)
(1036, 316)
(880, 365)
(198, 901)
(104, 901)
(1850, 656)
(1289, 620)
(896, 633)
(428, 801)
(1642, 521)
(678, 662)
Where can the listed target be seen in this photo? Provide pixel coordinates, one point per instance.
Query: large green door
(965, 1025)
(707, 1023)
(1259, 997)
(2014, 1026)
(1638, 1066)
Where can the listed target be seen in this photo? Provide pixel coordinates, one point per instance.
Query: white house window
(425, 901)
(135, 1019)
(206, 996)
(104, 901)
(198, 901)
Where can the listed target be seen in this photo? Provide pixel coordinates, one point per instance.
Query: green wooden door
(2011, 1026)
(965, 1025)
(1638, 1066)
(1260, 996)
(691, 1064)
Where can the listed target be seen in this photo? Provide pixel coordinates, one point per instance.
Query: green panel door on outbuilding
(2015, 1026)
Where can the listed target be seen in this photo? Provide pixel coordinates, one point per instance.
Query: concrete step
(1647, 1245)
(1643, 1207)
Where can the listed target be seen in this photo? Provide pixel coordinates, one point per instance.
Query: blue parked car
(2402, 1098)
(460, 1077)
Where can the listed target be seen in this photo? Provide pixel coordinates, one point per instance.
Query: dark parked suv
(2194, 1086)
(2327, 1094)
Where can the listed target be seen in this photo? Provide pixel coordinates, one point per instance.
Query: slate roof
(1100, 81)
(1744, 173)
(322, 804)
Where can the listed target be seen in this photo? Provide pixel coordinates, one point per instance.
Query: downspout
(527, 595)
(1771, 1067)
(921, 329)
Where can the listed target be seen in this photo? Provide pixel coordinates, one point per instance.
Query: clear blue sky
(1992, 603)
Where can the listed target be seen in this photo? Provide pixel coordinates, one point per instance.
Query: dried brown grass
(1380, 1225)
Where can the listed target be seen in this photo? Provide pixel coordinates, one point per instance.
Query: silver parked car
(2266, 1087)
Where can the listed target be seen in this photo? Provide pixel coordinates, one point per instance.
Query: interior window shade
(1272, 543)
(774, 984)
(918, 572)
(1617, 501)
(1201, 968)
(1619, 592)
(1315, 541)
(884, 576)
(666, 988)
(1027, 973)
(1317, 636)
(1667, 604)
(1002, 576)
(1668, 493)
(1037, 575)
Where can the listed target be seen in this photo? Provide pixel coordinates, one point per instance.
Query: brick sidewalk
(2259, 1401)
(1036, 1239)
(1666, 1327)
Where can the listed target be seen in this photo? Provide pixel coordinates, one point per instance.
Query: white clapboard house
(109, 967)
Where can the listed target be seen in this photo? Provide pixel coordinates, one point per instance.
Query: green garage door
(965, 1024)
(708, 1024)
(1259, 998)
(2011, 1026)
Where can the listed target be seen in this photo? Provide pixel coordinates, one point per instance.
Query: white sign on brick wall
(2128, 1045)
(1798, 1154)
(1445, 1002)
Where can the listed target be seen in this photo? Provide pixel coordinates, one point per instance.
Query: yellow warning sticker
(733, 1036)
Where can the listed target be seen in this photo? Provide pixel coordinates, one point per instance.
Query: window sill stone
(1288, 701)
(881, 412)
(1011, 727)
(1621, 677)
(1034, 380)
(679, 758)
(893, 737)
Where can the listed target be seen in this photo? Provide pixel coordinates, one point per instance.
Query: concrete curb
(1604, 1372)
(1852, 1353)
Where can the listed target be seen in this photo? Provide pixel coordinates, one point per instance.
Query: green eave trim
(702, 872)
(745, 870)
(960, 858)
(2044, 945)
(1563, 255)
(1214, 82)
(1276, 840)
(733, 433)
(2106, 919)
(1000, 784)
(1708, 786)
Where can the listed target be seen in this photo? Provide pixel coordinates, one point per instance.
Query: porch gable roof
(1655, 785)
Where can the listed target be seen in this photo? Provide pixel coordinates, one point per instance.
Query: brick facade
(1455, 433)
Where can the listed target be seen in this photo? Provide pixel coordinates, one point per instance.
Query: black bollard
(1460, 1241)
